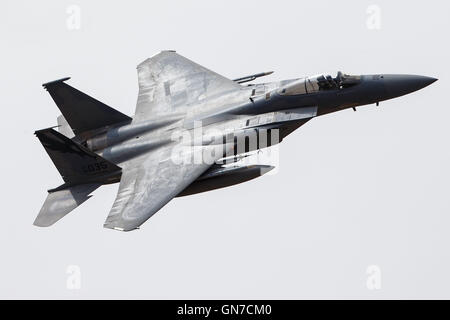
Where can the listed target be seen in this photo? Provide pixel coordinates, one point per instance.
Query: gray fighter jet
(191, 129)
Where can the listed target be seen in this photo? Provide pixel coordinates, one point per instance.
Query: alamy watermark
(73, 21)
(373, 21)
(373, 281)
(73, 281)
(211, 145)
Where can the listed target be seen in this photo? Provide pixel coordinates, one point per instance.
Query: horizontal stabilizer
(60, 203)
(82, 112)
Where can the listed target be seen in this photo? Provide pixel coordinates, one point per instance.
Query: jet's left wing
(147, 187)
(169, 83)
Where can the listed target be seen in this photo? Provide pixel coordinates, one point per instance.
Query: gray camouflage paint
(174, 93)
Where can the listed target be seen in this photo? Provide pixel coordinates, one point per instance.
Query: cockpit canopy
(319, 83)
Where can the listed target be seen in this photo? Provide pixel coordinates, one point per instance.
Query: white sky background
(354, 189)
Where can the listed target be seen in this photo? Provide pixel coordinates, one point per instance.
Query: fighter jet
(191, 129)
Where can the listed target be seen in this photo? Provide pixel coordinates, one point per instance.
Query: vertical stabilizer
(82, 112)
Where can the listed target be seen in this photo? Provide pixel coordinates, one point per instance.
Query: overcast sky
(359, 207)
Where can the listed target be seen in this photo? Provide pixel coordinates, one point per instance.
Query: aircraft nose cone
(400, 84)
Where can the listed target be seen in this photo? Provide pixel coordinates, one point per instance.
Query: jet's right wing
(147, 187)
